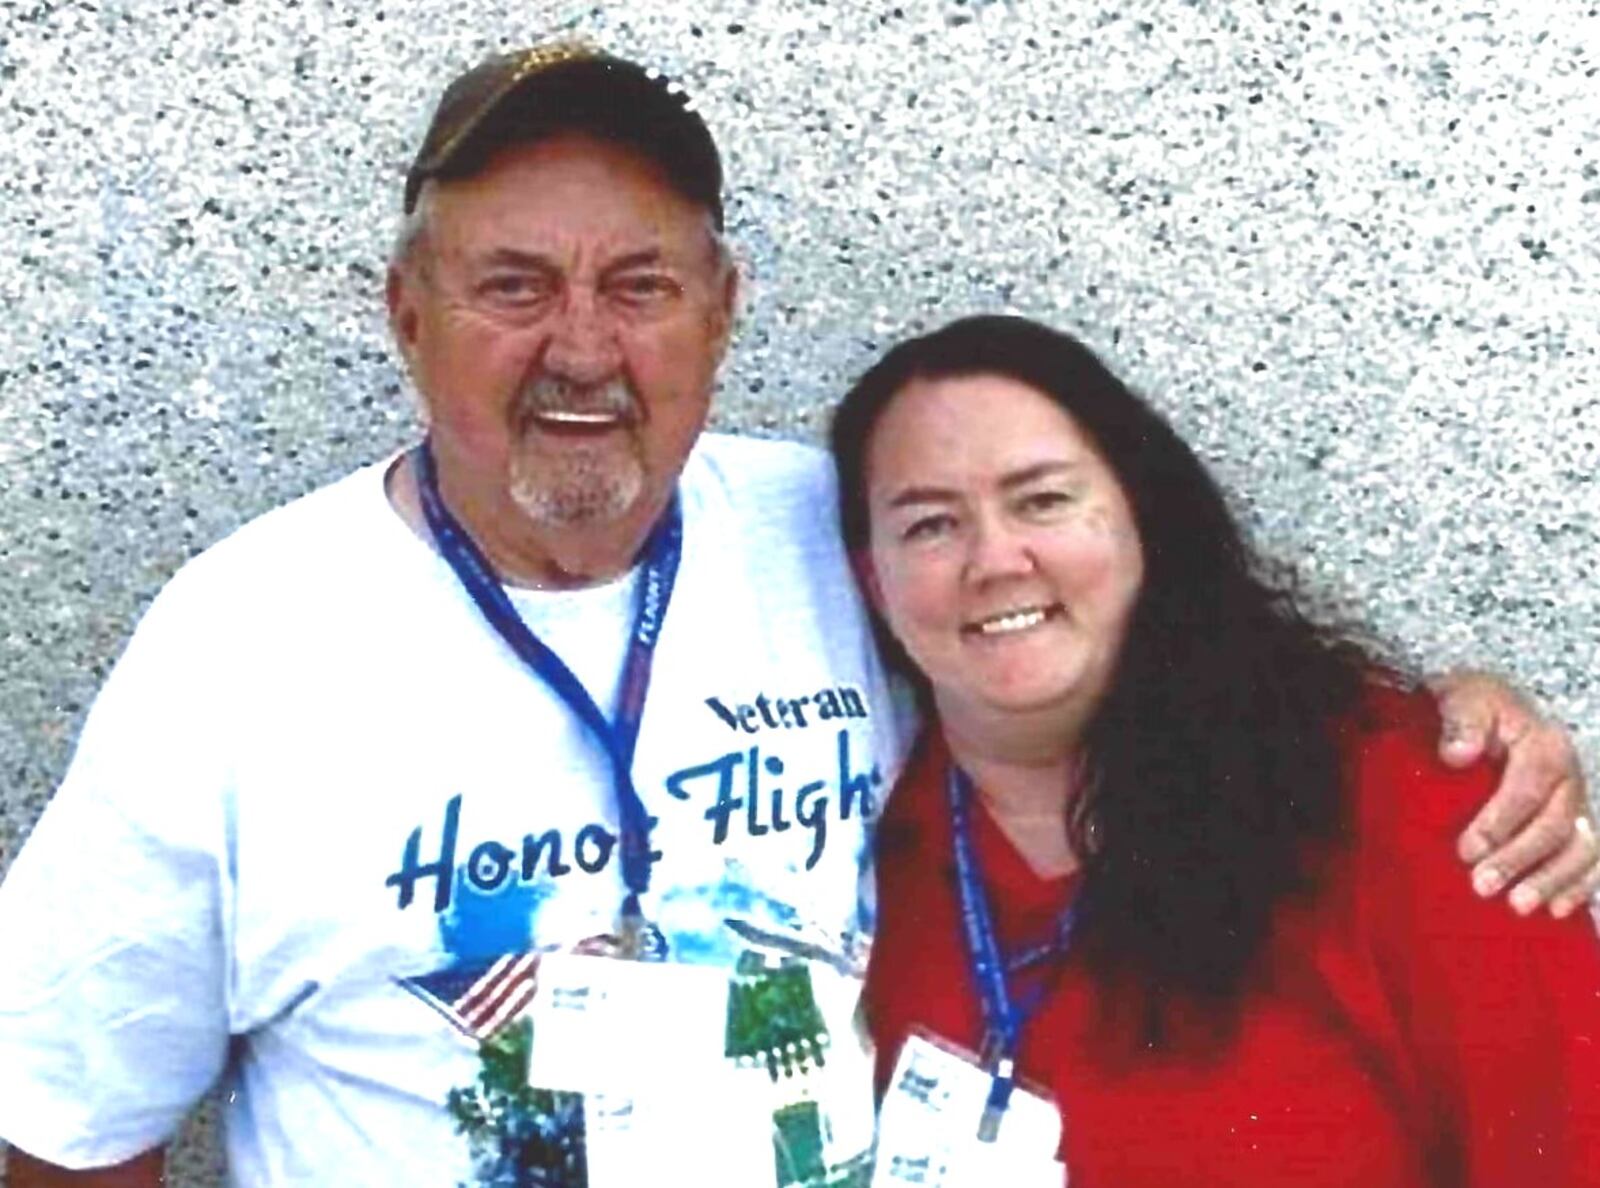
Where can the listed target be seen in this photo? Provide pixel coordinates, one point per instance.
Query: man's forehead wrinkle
(579, 204)
(514, 258)
(557, 249)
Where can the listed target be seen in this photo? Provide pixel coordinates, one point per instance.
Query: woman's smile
(992, 514)
(1013, 622)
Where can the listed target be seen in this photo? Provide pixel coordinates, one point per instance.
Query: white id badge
(652, 1134)
(600, 1023)
(635, 1052)
(928, 1127)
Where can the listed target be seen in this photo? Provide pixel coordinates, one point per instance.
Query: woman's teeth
(1011, 621)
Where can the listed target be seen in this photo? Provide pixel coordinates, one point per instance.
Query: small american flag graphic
(480, 999)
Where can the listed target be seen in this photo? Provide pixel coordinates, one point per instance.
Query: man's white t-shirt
(324, 836)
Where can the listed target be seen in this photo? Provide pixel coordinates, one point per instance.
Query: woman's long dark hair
(1212, 761)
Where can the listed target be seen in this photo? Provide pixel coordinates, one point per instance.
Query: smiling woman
(1168, 888)
(1006, 555)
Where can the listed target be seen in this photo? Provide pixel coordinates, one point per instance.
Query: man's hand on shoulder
(1536, 834)
(142, 1171)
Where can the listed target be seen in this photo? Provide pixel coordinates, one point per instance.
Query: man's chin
(578, 480)
(591, 501)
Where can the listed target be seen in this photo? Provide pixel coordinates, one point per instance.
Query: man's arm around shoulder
(142, 1171)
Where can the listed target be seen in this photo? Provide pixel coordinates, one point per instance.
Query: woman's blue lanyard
(618, 736)
(1003, 1018)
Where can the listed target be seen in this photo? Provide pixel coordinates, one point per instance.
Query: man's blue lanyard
(618, 736)
(1003, 1018)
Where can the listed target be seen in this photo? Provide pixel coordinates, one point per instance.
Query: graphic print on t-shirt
(776, 1052)
(778, 1091)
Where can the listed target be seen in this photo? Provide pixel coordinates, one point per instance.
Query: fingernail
(1487, 880)
(1474, 848)
(1562, 908)
(1524, 899)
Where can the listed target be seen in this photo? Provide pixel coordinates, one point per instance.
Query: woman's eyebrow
(1057, 467)
(911, 496)
(1054, 468)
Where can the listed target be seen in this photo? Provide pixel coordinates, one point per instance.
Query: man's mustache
(554, 396)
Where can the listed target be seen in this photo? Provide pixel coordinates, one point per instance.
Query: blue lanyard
(1003, 1017)
(619, 737)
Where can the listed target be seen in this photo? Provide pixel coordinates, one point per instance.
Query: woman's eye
(927, 527)
(1043, 502)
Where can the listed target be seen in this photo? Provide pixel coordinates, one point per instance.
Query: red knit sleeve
(1501, 1014)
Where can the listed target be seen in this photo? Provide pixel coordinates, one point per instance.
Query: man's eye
(646, 286)
(512, 286)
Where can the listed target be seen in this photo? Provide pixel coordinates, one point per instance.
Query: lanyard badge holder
(638, 938)
(1004, 1018)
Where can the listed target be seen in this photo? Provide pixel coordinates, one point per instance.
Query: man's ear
(398, 298)
(728, 306)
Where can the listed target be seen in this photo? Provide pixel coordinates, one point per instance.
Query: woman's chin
(1022, 700)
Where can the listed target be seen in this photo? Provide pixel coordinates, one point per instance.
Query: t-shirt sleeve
(1501, 1013)
(113, 1014)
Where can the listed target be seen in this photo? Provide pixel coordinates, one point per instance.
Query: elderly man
(386, 781)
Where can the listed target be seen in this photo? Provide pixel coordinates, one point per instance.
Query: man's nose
(582, 346)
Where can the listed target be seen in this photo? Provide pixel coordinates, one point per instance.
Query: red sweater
(1398, 1031)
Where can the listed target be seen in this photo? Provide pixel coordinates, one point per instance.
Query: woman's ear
(867, 577)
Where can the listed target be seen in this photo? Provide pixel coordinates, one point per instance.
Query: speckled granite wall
(1350, 245)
